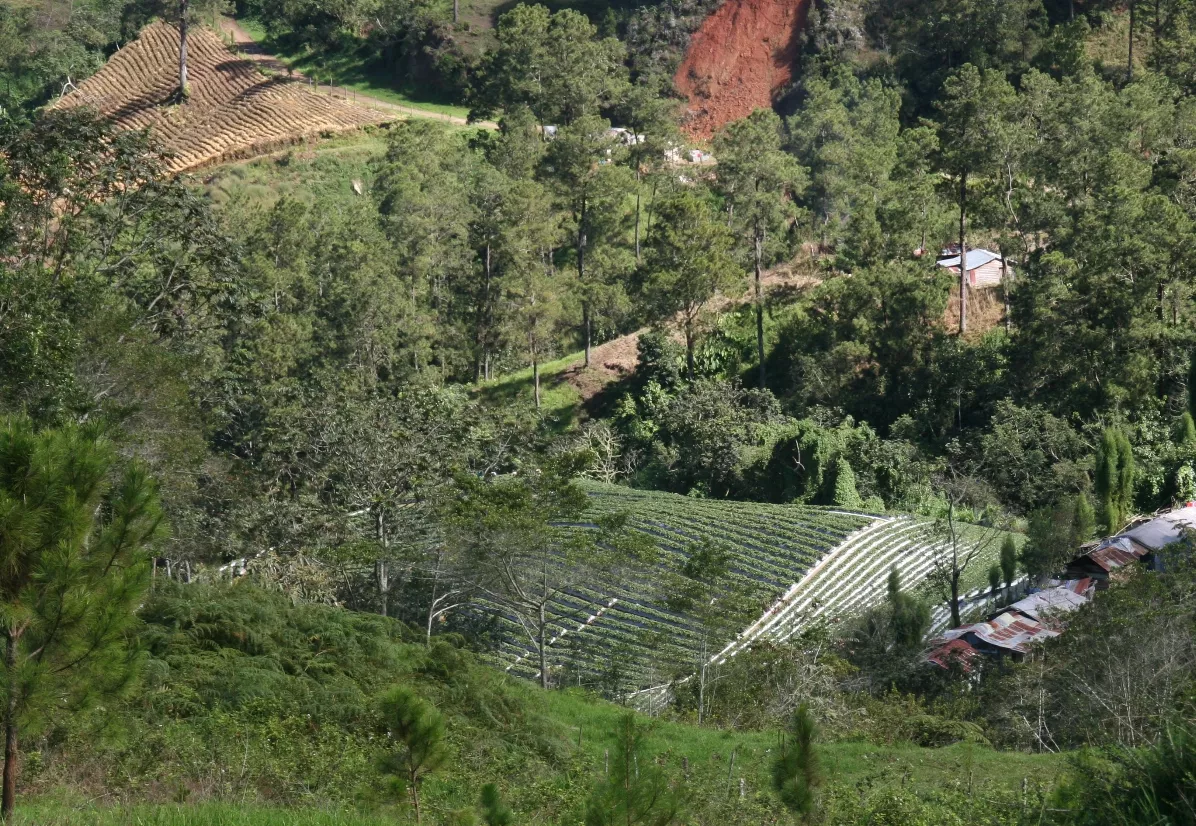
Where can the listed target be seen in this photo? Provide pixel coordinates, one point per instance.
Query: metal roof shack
(1047, 606)
(1008, 633)
(1140, 543)
(953, 652)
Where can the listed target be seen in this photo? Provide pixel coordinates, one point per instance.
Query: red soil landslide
(738, 60)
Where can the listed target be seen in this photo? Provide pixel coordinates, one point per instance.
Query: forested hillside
(627, 457)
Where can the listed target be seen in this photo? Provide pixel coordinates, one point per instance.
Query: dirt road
(253, 50)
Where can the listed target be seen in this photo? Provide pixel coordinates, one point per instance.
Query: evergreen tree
(635, 791)
(795, 772)
(1114, 479)
(73, 569)
(1008, 562)
(1083, 520)
(910, 616)
(760, 183)
(688, 263)
(494, 811)
(417, 729)
(1185, 434)
(994, 579)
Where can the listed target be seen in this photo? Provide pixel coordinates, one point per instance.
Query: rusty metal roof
(953, 651)
(1012, 632)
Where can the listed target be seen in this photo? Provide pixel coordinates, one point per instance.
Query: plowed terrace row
(740, 58)
(233, 110)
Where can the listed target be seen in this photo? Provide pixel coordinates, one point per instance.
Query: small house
(985, 268)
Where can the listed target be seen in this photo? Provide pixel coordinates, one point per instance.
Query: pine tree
(796, 773)
(417, 728)
(635, 791)
(1186, 432)
(1009, 561)
(1114, 480)
(494, 811)
(910, 615)
(73, 569)
(994, 579)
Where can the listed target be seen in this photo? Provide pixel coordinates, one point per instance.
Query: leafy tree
(760, 184)
(796, 773)
(1055, 534)
(635, 791)
(845, 495)
(417, 729)
(517, 539)
(74, 533)
(553, 63)
(1114, 479)
(688, 262)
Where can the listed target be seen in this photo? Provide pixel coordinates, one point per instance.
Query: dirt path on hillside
(617, 358)
(250, 48)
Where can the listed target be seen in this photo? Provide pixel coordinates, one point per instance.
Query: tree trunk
(956, 621)
(413, 782)
(689, 351)
(963, 255)
(760, 307)
(702, 685)
(8, 801)
(587, 325)
(183, 91)
(637, 215)
(536, 377)
(542, 633)
(1129, 66)
(382, 577)
(581, 275)
(456, 11)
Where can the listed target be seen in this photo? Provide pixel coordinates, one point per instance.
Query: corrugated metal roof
(1083, 586)
(953, 651)
(1163, 530)
(1051, 601)
(1012, 632)
(976, 258)
(1111, 557)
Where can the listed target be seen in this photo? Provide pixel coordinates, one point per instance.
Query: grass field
(560, 402)
(328, 168)
(349, 69)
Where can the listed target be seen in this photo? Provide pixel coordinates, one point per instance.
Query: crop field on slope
(233, 111)
(772, 546)
(803, 566)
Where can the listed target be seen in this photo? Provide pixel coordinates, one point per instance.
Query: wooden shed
(985, 268)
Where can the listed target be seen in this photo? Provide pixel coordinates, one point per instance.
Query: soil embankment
(740, 58)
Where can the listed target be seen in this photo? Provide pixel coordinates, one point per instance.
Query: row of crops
(805, 565)
(624, 632)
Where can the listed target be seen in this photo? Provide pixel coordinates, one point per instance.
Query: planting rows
(772, 546)
(232, 110)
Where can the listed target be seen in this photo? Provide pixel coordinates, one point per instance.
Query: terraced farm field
(233, 111)
(810, 565)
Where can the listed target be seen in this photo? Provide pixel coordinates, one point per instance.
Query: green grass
(350, 69)
(301, 173)
(49, 813)
(560, 402)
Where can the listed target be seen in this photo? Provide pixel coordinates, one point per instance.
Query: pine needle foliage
(73, 569)
(494, 811)
(636, 791)
(796, 774)
(1114, 478)
(417, 729)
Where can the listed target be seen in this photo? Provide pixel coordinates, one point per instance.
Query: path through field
(251, 49)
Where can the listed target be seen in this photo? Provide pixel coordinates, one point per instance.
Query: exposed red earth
(740, 58)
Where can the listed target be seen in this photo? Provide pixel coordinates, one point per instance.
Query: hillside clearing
(233, 111)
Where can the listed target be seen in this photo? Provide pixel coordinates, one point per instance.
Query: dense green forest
(291, 449)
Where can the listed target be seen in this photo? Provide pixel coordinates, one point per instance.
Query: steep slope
(233, 111)
(739, 59)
